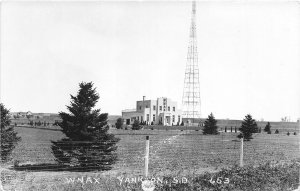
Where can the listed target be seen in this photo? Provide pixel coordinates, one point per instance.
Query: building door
(168, 120)
(127, 121)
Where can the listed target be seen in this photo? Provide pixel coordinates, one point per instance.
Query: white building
(161, 111)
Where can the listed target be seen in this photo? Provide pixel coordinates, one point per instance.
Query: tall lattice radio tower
(191, 91)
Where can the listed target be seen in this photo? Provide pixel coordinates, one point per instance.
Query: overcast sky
(249, 55)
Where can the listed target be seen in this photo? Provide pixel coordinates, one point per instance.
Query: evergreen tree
(136, 125)
(255, 128)
(248, 127)
(8, 137)
(210, 126)
(88, 145)
(119, 123)
(268, 127)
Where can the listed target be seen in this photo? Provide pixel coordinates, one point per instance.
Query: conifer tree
(8, 137)
(210, 126)
(136, 125)
(268, 127)
(88, 145)
(248, 127)
(119, 123)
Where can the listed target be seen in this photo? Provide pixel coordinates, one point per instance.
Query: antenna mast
(191, 92)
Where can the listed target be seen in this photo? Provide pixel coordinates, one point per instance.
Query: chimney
(144, 98)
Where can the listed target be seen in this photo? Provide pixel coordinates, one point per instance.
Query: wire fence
(170, 150)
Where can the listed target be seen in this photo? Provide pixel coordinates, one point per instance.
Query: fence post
(242, 152)
(1, 187)
(147, 156)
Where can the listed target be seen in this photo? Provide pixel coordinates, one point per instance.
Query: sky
(249, 55)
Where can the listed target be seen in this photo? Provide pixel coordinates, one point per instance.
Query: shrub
(276, 132)
(152, 123)
(248, 127)
(288, 133)
(210, 126)
(295, 133)
(119, 123)
(136, 125)
(268, 127)
(182, 123)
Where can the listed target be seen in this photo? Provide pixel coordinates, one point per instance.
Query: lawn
(171, 152)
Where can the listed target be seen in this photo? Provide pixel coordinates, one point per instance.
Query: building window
(153, 117)
(160, 108)
(173, 108)
(140, 107)
(147, 117)
(168, 108)
(146, 106)
(138, 118)
(178, 118)
(154, 107)
(173, 118)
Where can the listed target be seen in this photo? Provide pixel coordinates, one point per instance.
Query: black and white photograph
(150, 95)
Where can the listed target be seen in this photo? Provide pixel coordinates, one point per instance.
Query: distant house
(161, 111)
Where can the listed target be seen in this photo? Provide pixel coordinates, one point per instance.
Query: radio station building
(162, 111)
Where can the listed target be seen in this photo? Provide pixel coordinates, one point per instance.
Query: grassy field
(171, 152)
